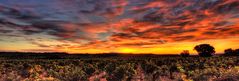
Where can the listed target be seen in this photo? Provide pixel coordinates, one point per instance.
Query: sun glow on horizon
(167, 48)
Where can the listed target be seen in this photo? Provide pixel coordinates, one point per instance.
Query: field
(164, 68)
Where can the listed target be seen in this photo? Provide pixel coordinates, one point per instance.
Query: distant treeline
(63, 55)
(207, 50)
(26, 55)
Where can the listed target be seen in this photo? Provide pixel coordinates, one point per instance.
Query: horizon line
(106, 53)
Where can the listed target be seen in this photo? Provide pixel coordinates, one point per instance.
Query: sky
(121, 26)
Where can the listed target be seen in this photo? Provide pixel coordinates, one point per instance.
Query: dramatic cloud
(96, 26)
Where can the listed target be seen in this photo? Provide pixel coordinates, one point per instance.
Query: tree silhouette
(205, 50)
(184, 53)
(236, 52)
(229, 52)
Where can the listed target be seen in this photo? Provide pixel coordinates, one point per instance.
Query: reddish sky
(124, 26)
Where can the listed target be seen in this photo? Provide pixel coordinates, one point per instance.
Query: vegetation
(121, 69)
(185, 53)
(205, 50)
(231, 52)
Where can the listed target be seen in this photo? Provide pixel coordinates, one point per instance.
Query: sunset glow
(121, 26)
